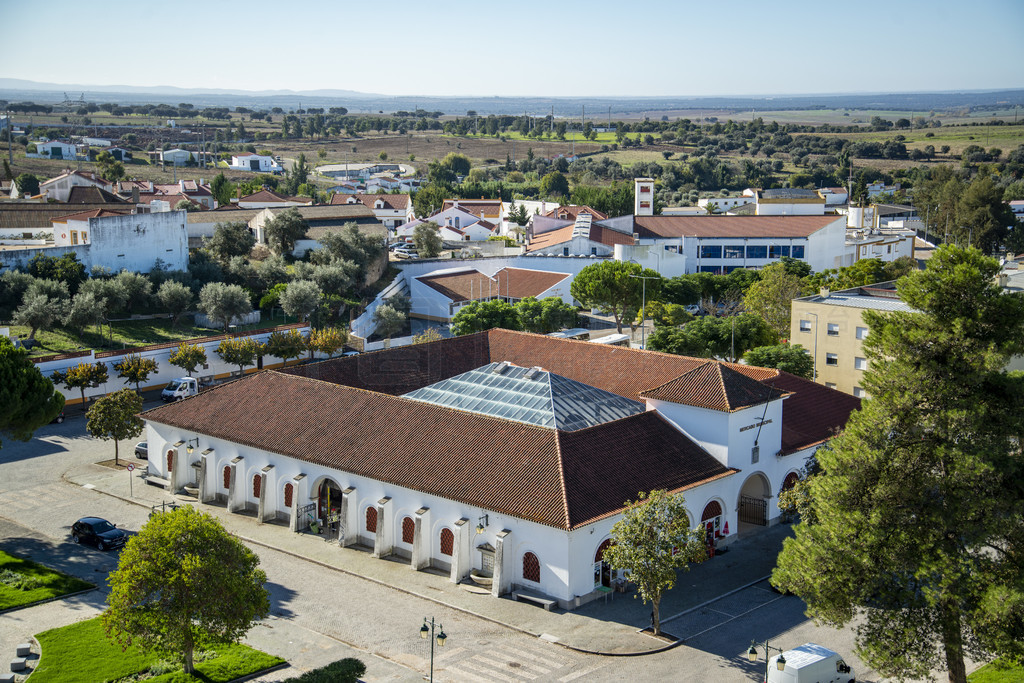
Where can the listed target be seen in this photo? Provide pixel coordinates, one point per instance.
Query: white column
(421, 540)
(236, 487)
(461, 557)
(382, 544)
(502, 583)
(298, 489)
(265, 512)
(348, 534)
(207, 489)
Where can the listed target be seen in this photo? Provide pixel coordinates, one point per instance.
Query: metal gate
(306, 513)
(754, 510)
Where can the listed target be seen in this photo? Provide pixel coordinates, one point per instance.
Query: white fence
(161, 353)
(387, 343)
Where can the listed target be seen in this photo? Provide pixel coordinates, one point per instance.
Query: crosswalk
(512, 664)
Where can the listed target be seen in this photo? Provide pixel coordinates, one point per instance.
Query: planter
(481, 578)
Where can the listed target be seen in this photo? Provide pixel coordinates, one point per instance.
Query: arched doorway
(328, 500)
(602, 570)
(753, 502)
(712, 520)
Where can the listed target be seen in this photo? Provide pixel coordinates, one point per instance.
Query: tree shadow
(280, 599)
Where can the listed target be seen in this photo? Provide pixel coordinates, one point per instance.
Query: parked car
(142, 450)
(98, 532)
(59, 419)
(406, 253)
(180, 388)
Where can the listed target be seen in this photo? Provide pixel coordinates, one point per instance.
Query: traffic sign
(131, 467)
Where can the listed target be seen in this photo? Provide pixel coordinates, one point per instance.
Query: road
(319, 615)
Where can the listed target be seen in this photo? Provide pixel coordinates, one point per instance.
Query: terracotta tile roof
(572, 210)
(396, 202)
(265, 195)
(555, 478)
(490, 207)
(716, 386)
(813, 414)
(86, 215)
(19, 215)
(598, 234)
(515, 283)
(731, 226)
(172, 199)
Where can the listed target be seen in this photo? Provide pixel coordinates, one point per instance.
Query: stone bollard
(24, 650)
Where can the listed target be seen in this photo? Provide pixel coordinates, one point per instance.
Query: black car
(99, 532)
(59, 419)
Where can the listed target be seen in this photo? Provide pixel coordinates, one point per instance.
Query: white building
(120, 241)
(789, 202)
(392, 210)
(267, 199)
(257, 163)
(456, 225)
(59, 188)
(439, 295)
(582, 236)
(177, 156)
(54, 149)
(499, 457)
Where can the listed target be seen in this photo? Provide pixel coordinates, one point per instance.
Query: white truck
(810, 663)
(180, 388)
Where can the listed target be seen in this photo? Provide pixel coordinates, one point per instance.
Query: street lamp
(482, 523)
(780, 663)
(190, 447)
(428, 632)
(643, 303)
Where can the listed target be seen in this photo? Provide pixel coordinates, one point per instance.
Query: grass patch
(23, 582)
(998, 672)
(346, 670)
(82, 653)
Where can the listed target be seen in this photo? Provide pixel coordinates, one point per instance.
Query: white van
(810, 663)
(178, 389)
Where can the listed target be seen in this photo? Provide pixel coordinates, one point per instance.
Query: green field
(23, 582)
(82, 653)
(996, 672)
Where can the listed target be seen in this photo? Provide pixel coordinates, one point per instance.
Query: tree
(477, 316)
(176, 299)
(110, 168)
(652, 541)
(223, 303)
(240, 351)
(517, 213)
(229, 239)
(983, 215)
(427, 238)
(919, 510)
(770, 297)
(327, 340)
(554, 184)
(221, 189)
(284, 229)
(550, 315)
(39, 311)
(428, 335)
(27, 399)
(67, 269)
(608, 286)
(793, 359)
(115, 417)
(184, 582)
(300, 298)
(85, 310)
(136, 287)
(27, 184)
(134, 368)
(82, 376)
(388, 320)
(285, 345)
(711, 337)
(188, 357)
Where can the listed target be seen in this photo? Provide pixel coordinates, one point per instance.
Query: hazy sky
(525, 47)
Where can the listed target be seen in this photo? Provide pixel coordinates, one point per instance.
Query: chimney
(823, 292)
(135, 194)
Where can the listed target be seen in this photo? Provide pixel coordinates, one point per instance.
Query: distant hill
(13, 89)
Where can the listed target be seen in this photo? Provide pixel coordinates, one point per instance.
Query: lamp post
(780, 663)
(428, 632)
(643, 303)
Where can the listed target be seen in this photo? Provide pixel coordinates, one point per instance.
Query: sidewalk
(605, 627)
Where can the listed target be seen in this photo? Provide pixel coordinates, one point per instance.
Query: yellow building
(831, 326)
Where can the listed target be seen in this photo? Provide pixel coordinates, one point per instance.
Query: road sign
(131, 467)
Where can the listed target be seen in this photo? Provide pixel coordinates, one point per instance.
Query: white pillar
(502, 583)
(207, 489)
(236, 487)
(382, 543)
(461, 559)
(265, 512)
(348, 533)
(421, 540)
(298, 489)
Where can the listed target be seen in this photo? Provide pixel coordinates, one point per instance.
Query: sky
(522, 48)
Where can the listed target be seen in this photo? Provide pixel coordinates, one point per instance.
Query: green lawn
(82, 653)
(39, 582)
(995, 673)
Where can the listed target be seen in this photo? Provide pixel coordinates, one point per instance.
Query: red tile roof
(813, 414)
(598, 234)
(266, 195)
(86, 215)
(555, 478)
(92, 194)
(396, 202)
(515, 283)
(716, 386)
(731, 226)
(571, 211)
(490, 207)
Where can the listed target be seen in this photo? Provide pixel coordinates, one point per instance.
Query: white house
(392, 210)
(55, 149)
(177, 156)
(582, 236)
(456, 225)
(501, 457)
(59, 188)
(439, 295)
(119, 240)
(257, 163)
(789, 201)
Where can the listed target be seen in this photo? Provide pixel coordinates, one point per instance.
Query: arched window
(288, 489)
(257, 485)
(408, 530)
(227, 477)
(712, 519)
(711, 510)
(531, 568)
(170, 461)
(599, 555)
(371, 519)
(447, 542)
(791, 479)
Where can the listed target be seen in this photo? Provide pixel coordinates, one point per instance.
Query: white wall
(135, 242)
